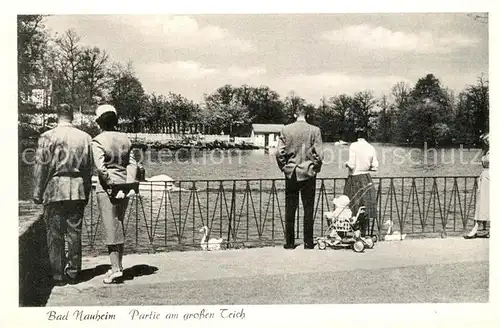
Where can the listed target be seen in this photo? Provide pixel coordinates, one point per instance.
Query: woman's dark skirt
(356, 188)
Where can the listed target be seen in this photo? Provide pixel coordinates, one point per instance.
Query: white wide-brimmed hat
(341, 201)
(104, 109)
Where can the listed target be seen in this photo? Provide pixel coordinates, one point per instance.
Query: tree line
(68, 72)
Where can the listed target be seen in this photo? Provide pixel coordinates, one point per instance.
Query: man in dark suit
(300, 157)
(63, 181)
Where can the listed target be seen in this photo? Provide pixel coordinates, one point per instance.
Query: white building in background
(266, 135)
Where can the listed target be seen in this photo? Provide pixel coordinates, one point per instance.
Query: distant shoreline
(25, 143)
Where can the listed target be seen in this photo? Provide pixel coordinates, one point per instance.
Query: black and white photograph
(251, 159)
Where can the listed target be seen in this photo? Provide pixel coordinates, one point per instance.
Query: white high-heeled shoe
(112, 276)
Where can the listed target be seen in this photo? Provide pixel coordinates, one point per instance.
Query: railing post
(233, 209)
(401, 221)
(260, 203)
(273, 191)
(379, 212)
(247, 190)
(193, 188)
(322, 190)
(137, 222)
(165, 194)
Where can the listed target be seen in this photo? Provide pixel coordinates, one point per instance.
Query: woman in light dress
(482, 213)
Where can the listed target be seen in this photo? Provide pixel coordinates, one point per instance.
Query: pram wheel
(358, 246)
(321, 245)
(369, 242)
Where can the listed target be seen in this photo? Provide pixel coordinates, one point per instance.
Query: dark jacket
(300, 150)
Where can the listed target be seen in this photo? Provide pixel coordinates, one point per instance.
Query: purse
(113, 189)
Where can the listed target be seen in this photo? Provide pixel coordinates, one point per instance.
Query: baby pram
(346, 227)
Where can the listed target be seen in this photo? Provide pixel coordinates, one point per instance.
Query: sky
(312, 55)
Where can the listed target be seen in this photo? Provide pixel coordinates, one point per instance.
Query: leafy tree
(341, 107)
(325, 119)
(228, 110)
(94, 75)
(223, 96)
(265, 106)
(155, 113)
(428, 108)
(360, 112)
(472, 116)
(401, 93)
(67, 62)
(128, 97)
(291, 104)
(31, 47)
(385, 128)
(230, 116)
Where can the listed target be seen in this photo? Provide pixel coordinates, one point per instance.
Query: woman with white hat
(482, 213)
(116, 166)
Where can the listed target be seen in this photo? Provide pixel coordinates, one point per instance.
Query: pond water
(172, 220)
(255, 164)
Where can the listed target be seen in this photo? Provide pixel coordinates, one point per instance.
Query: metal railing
(251, 212)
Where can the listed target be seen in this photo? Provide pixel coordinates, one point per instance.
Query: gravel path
(424, 270)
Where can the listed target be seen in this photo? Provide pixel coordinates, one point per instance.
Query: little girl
(341, 213)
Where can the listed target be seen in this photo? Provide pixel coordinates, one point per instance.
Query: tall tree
(386, 119)
(326, 120)
(361, 111)
(401, 93)
(229, 117)
(265, 105)
(31, 46)
(472, 115)
(223, 95)
(95, 75)
(228, 108)
(182, 110)
(341, 106)
(291, 104)
(68, 59)
(128, 98)
(428, 116)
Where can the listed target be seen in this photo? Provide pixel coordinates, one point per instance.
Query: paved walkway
(420, 270)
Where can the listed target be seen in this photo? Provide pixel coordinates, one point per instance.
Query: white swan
(396, 235)
(213, 244)
(157, 183)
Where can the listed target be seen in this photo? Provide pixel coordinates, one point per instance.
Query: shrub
(27, 131)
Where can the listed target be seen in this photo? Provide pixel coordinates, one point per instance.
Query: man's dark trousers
(65, 218)
(307, 189)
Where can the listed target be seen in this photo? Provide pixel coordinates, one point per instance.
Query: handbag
(113, 189)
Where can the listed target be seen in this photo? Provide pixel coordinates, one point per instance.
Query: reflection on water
(236, 164)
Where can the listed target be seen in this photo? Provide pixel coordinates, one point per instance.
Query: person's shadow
(128, 273)
(136, 271)
(89, 274)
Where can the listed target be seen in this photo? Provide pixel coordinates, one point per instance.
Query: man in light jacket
(63, 181)
(300, 157)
